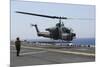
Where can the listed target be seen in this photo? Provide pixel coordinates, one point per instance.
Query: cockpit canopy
(65, 30)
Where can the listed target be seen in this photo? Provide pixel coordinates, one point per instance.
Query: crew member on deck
(17, 45)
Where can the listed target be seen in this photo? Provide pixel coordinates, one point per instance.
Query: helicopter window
(65, 30)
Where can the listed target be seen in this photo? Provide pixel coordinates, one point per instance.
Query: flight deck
(43, 55)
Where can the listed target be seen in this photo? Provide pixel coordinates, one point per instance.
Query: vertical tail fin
(35, 27)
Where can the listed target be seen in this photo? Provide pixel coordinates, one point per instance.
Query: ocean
(84, 41)
(77, 41)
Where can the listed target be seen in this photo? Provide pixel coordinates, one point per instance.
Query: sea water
(84, 41)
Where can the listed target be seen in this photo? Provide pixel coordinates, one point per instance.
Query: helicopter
(59, 32)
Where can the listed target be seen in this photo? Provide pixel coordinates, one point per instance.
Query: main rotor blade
(81, 18)
(53, 17)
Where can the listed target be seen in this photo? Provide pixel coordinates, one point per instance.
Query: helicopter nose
(73, 34)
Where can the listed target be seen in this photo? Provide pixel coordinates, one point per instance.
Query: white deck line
(59, 51)
(33, 52)
(15, 50)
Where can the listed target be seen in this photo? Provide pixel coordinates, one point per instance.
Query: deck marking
(82, 49)
(15, 50)
(59, 51)
(33, 52)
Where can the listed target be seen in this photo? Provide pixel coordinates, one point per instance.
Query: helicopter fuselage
(57, 33)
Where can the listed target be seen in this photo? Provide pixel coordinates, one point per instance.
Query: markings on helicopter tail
(59, 51)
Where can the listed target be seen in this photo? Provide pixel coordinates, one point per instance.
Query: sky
(20, 23)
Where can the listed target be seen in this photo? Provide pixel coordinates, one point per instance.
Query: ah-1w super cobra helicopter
(58, 32)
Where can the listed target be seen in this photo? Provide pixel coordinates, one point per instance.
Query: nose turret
(73, 34)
